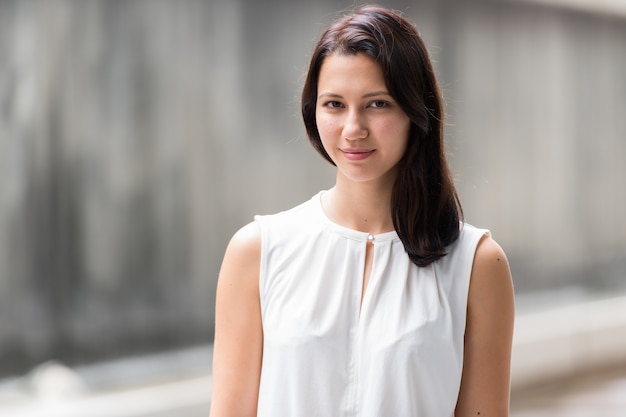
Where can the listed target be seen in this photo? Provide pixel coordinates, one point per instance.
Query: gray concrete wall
(137, 136)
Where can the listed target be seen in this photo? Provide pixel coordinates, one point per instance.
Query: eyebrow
(368, 95)
(377, 93)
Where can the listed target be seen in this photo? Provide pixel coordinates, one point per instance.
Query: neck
(365, 206)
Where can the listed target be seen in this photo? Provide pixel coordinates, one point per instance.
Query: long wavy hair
(426, 210)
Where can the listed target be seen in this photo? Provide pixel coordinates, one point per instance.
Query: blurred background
(137, 136)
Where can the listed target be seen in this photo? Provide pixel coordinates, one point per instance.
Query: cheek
(396, 128)
(327, 140)
(325, 125)
(400, 134)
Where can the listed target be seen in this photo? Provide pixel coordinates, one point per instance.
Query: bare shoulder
(237, 284)
(491, 300)
(491, 305)
(247, 240)
(243, 251)
(491, 273)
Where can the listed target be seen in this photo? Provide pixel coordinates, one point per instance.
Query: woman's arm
(485, 385)
(238, 333)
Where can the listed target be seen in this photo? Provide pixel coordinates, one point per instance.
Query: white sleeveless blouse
(398, 354)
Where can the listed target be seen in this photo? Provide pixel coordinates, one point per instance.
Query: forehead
(350, 70)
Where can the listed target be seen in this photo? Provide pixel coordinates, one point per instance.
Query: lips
(355, 154)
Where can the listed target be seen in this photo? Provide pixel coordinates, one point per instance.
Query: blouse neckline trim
(348, 232)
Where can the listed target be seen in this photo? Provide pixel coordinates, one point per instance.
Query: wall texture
(137, 136)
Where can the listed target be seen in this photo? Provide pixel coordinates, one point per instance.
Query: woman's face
(362, 128)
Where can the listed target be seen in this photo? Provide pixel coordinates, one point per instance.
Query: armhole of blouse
(468, 265)
(261, 224)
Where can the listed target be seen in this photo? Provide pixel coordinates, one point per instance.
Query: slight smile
(354, 154)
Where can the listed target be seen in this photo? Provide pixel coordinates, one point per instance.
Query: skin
(238, 345)
(363, 129)
(365, 132)
(485, 385)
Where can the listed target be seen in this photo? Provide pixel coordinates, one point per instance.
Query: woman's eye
(379, 104)
(332, 104)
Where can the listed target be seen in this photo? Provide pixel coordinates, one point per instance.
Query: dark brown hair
(425, 207)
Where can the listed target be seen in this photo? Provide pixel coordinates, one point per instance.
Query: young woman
(373, 298)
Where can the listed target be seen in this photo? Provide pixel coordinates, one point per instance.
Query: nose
(354, 127)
